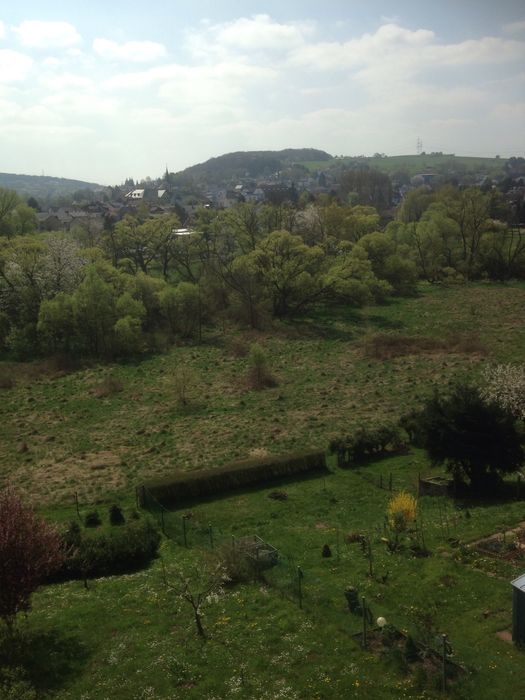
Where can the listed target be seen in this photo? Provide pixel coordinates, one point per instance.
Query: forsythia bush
(401, 511)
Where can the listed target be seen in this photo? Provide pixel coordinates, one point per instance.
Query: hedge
(187, 486)
(121, 550)
(366, 443)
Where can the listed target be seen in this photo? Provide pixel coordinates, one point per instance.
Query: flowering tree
(30, 549)
(197, 586)
(505, 385)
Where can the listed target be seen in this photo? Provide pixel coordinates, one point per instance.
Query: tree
(30, 550)
(505, 385)
(9, 200)
(288, 270)
(197, 586)
(475, 439)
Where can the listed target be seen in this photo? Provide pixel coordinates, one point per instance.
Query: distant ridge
(44, 186)
(252, 163)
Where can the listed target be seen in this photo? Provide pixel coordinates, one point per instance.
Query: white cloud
(133, 51)
(65, 81)
(36, 34)
(247, 35)
(14, 66)
(515, 27)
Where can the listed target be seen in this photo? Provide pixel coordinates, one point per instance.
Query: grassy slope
(128, 633)
(414, 164)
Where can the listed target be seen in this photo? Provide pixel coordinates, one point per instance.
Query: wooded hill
(44, 187)
(254, 164)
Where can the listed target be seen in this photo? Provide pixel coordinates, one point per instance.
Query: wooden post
(184, 535)
(299, 586)
(76, 503)
(363, 605)
(444, 670)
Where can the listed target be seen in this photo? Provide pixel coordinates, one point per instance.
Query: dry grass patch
(109, 386)
(53, 480)
(385, 346)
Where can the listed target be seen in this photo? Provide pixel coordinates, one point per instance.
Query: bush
(108, 387)
(116, 516)
(6, 380)
(120, 551)
(259, 375)
(237, 567)
(92, 519)
(401, 511)
(184, 487)
(367, 442)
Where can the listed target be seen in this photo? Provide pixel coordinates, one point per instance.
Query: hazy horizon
(105, 92)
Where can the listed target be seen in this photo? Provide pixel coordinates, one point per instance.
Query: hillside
(44, 187)
(252, 164)
(440, 163)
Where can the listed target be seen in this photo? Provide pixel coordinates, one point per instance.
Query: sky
(103, 91)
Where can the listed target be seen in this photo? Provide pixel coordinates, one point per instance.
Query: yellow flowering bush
(401, 511)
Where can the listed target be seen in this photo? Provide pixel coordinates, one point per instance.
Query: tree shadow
(47, 658)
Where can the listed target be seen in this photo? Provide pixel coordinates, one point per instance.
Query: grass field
(414, 164)
(128, 637)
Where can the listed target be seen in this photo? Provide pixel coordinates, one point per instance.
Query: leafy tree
(30, 549)
(9, 200)
(288, 270)
(95, 313)
(475, 439)
(56, 323)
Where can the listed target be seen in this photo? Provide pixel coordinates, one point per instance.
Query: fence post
(363, 603)
(299, 586)
(184, 535)
(444, 652)
(370, 558)
(76, 503)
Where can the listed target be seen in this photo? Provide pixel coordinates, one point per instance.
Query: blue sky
(104, 91)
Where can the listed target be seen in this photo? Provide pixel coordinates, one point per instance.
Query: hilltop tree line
(137, 285)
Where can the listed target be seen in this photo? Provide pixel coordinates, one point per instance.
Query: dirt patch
(505, 636)
(508, 545)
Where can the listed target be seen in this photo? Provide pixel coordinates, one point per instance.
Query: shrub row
(119, 551)
(367, 442)
(191, 485)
